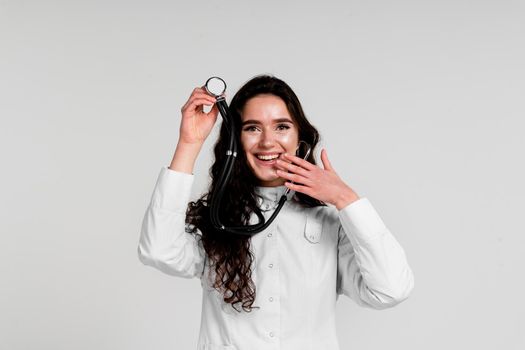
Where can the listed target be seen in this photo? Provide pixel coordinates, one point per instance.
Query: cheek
(246, 145)
(247, 142)
(289, 140)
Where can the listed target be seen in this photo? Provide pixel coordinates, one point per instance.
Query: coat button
(271, 299)
(271, 334)
(270, 266)
(270, 234)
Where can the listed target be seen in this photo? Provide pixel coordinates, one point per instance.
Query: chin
(267, 180)
(266, 176)
(271, 181)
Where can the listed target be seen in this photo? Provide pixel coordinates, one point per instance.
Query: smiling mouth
(267, 158)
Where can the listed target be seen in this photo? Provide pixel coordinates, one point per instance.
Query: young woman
(278, 288)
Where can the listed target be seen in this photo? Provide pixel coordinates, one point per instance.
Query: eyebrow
(280, 120)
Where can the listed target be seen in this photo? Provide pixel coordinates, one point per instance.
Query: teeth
(268, 157)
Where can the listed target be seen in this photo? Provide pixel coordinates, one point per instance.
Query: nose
(267, 139)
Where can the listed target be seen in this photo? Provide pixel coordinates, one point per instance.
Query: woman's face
(267, 130)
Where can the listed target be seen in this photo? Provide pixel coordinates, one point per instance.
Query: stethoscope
(216, 87)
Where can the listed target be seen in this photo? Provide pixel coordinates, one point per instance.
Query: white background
(419, 103)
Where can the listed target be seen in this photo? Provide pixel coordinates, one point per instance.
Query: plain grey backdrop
(420, 105)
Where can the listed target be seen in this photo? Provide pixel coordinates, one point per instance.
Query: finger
(299, 161)
(326, 163)
(203, 94)
(199, 89)
(213, 112)
(198, 103)
(294, 177)
(198, 93)
(292, 168)
(299, 188)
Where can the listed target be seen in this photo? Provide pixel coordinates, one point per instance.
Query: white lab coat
(304, 260)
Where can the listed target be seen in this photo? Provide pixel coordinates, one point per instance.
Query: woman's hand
(322, 184)
(195, 124)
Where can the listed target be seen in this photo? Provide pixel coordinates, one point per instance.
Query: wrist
(185, 156)
(345, 198)
(187, 147)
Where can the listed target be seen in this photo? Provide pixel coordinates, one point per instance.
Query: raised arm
(164, 242)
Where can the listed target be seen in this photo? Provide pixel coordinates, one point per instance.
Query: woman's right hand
(196, 125)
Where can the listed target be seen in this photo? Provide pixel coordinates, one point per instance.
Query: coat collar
(268, 197)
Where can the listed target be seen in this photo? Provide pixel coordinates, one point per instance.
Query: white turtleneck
(303, 261)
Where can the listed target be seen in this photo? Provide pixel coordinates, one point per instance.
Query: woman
(277, 289)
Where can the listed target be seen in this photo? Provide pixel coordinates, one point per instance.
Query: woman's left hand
(322, 184)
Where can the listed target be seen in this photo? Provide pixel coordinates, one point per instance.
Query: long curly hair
(230, 255)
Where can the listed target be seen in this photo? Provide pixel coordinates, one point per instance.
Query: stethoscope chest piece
(215, 86)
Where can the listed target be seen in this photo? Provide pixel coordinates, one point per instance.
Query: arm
(185, 156)
(372, 266)
(164, 242)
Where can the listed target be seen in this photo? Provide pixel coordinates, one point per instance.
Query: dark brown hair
(229, 254)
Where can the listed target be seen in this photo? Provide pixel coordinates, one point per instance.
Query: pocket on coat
(313, 228)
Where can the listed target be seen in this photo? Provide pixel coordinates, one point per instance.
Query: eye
(249, 128)
(283, 127)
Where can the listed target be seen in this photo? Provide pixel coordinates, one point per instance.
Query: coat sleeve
(372, 268)
(164, 243)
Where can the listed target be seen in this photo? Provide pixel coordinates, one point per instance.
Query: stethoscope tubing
(225, 175)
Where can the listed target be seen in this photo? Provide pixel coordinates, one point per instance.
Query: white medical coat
(303, 261)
